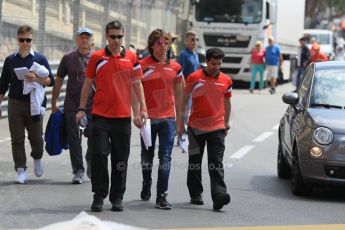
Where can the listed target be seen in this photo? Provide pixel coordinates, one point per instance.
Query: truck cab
(235, 25)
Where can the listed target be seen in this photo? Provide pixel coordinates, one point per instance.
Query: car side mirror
(290, 98)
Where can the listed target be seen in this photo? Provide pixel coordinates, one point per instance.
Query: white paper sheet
(21, 72)
(40, 70)
(145, 132)
(183, 144)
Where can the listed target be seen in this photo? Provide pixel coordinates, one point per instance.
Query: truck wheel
(298, 187)
(283, 168)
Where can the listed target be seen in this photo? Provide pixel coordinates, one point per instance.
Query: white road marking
(242, 151)
(276, 127)
(263, 136)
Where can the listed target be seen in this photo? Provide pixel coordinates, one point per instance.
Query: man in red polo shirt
(115, 71)
(162, 84)
(208, 124)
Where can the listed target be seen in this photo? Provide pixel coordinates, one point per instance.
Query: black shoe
(197, 200)
(272, 91)
(145, 193)
(162, 203)
(97, 205)
(117, 205)
(220, 200)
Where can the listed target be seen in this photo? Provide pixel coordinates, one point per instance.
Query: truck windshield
(231, 11)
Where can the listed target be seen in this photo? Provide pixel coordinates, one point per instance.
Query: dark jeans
(215, 153)
(19, 119)
(299, 76)
(73, 137)
(165, 129)
(88, 135)
(118, 131)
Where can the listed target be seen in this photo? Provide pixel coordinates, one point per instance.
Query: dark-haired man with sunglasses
(116, 72)
(19, 112)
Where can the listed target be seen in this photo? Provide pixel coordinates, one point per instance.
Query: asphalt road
(259, 198)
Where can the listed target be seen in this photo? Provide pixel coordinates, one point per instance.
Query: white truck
(235, 26)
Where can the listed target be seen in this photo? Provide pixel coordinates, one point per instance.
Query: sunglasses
(195, 39)
(162, 42)
(28, 40)
(116, 36)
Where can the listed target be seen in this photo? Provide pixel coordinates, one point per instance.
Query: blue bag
(55, 134)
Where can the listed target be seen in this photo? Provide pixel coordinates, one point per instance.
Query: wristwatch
(81, 109)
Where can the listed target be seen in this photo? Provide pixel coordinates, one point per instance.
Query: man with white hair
(74, 64)
(274, 60)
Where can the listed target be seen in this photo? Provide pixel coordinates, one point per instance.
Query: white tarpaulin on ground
(85, 221)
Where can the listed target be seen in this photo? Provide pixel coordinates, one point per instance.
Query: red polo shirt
(113, 76)
(159, 81)
(208, 93)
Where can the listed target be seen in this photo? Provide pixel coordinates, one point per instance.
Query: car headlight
(323, 135)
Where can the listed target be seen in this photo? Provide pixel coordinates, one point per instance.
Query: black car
(312, 131)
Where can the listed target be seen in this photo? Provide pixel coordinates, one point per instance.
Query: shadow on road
(273, 186)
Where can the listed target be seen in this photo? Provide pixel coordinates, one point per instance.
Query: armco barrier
(53, 66)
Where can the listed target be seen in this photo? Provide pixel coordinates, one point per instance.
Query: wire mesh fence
(55, 21)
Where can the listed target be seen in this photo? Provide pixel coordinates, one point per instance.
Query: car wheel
(283, 168)
(298, 186)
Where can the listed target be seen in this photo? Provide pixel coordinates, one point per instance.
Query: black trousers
(75, 149)
(118, 132)
(215, 153)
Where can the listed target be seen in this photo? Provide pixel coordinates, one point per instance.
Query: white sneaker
(22, 176)
(38, 167)
(78, 178)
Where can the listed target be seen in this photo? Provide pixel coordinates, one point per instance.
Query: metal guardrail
(48, 90)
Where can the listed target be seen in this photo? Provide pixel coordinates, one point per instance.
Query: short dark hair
(214, 53)
(302, 39)
(24, 29)
(154, 36)
(114, 25)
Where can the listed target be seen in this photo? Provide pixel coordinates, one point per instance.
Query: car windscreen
(322, 39)
(328, 88)
(229, 11)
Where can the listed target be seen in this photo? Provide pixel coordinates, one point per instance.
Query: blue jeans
(165, 129)
(299, 76)
(257, 68)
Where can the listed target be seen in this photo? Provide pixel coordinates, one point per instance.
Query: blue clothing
(55, 134)
(189, 61)
(165, 129)
(257, 68)
(9, 78)
(299, 76)
(272, 55)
